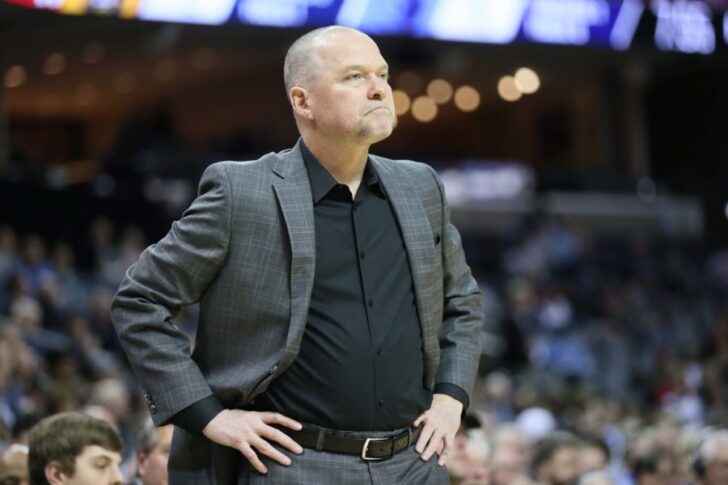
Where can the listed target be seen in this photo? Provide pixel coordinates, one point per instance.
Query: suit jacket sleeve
(462, 319)
(172, 273)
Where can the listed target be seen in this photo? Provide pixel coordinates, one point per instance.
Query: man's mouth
(377, 108)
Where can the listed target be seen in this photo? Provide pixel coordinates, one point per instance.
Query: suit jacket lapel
(418, 239)
(293, 191)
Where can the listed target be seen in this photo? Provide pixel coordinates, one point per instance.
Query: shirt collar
(322, 181)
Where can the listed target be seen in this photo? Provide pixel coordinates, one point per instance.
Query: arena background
(590, 190)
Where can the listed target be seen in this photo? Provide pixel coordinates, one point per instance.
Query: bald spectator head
(14, 466)
(711, 460)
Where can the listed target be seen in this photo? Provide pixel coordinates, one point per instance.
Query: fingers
(277, 418)
(281, 438)
(425, 435)
(270, 451)
(250, 455)
(445, 450)
(419, 420)
(434, 442)
(254, 432)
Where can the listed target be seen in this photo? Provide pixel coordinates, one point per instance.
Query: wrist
(447, 400)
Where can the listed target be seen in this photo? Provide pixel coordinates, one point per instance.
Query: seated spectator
(14, 466)
(595, 478)
(152, 453)
(469, 457)
(654, 468)
(74, 449)
(711, 460)
(593, 456)
(508, 466)
(556, 459)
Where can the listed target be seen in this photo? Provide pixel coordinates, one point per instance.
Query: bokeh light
(402, 102)
(55, 64)
(409, 81)
(467, 98)
(424, 109)
(527, 81)
(15, 76)
(440, 91)
(508, 90)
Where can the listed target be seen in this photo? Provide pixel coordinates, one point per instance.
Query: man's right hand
(247, 431)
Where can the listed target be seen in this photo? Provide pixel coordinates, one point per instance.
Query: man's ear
(142, 462)
(55, 474)
(300, 102)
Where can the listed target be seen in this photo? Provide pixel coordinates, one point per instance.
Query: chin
(377, 137)
(379, 133)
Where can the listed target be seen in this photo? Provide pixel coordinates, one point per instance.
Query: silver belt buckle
(365, 448)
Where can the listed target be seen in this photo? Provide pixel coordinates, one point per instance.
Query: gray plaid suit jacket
(245, 250)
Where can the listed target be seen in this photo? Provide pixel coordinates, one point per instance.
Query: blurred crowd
(58, 349)
(605, 361)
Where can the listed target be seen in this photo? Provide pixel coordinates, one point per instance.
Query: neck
(345, 162)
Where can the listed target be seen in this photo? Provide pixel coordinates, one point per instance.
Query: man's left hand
(440, 423)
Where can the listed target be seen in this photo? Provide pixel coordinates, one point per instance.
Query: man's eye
(384, 76)
(354, 76)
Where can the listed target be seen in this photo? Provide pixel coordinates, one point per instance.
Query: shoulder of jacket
(404, 165)
(420, 173)
(246, 167)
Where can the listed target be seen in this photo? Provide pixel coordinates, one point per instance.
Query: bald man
(711, 460)
(339, 324)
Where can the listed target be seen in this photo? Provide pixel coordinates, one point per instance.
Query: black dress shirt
(361, 361)
(360, 366)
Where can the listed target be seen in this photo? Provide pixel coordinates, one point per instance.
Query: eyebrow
(360, 67)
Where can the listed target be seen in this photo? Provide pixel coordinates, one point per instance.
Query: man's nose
(117, 478)
(377, 88)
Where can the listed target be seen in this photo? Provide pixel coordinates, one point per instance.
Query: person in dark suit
(338, 336)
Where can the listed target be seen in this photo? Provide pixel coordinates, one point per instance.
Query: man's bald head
(301, 62)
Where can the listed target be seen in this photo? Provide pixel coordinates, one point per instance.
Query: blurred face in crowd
(348, 97)
(14, 466)
(153, 465)
(467, 464)
(93, 466)
(663, 474)
(563, 467)
(507, 466)
(716, 469)
(592, 458)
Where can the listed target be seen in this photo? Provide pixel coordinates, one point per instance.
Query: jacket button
(153, 409)
(274, 369)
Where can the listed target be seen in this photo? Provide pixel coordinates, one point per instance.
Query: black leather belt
(369, 449)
